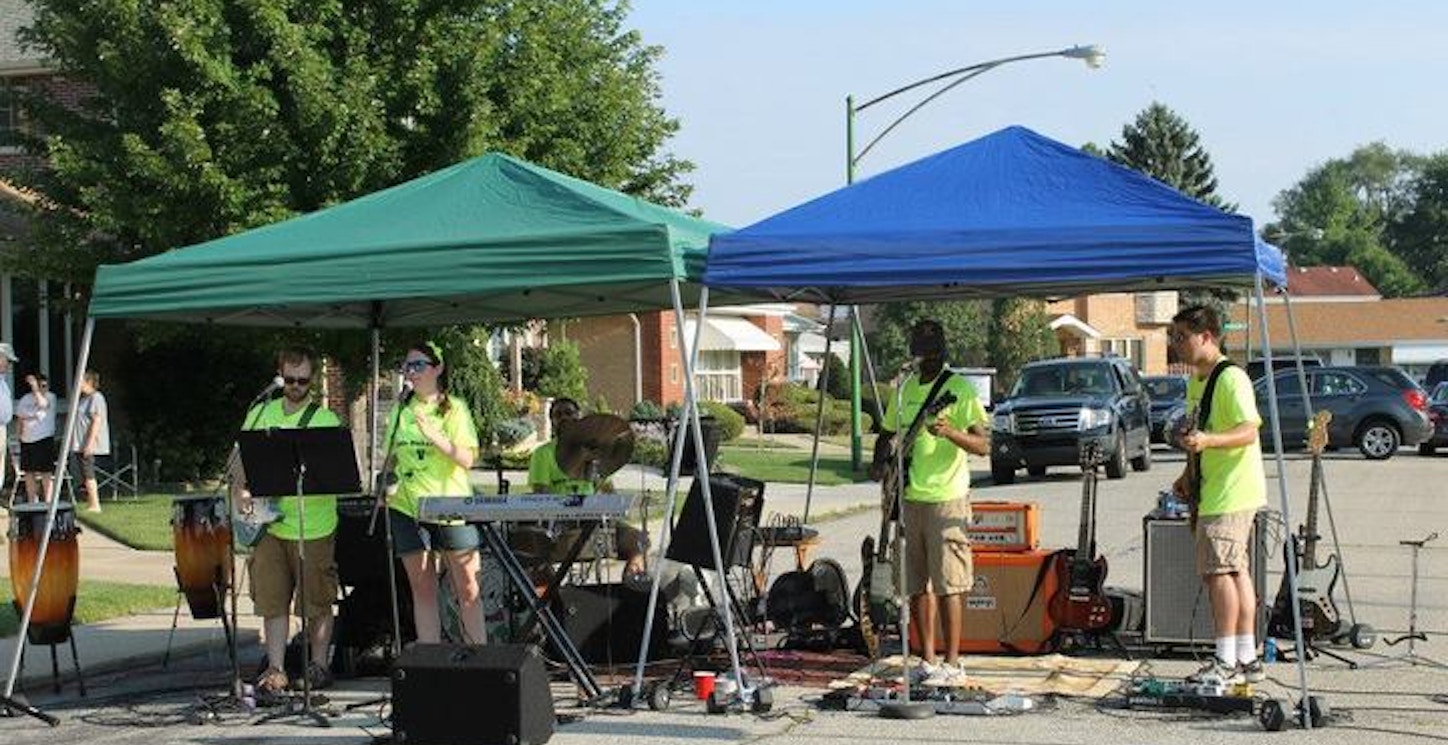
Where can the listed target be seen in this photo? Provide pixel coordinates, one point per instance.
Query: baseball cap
(8, 351)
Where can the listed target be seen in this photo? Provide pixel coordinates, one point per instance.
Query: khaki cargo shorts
(1222, 542)
(937, 547)
(274, 572)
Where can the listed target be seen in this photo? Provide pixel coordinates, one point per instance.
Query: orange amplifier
(1008, 610)
(1005, 526)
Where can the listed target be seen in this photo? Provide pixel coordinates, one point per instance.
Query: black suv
(1057, 404)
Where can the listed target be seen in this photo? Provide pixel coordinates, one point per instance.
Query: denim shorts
(410, 536)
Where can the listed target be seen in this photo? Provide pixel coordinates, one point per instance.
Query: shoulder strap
(307, 415)
(1204, 409)
(929, 399)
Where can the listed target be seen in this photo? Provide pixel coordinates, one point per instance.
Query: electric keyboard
(488, 508)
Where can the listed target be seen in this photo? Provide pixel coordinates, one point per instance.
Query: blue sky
(1272, 88)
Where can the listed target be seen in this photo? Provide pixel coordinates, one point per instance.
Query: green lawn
(144, 524)
(95, 601)
(789, 467)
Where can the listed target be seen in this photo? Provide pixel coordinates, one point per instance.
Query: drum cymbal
(594, 446)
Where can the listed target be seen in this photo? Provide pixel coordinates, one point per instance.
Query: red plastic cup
(703, 684)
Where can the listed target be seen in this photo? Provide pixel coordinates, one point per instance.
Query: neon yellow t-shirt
(939, 470)
(543, 469)
(321, 511)
(423, 470)
(1233, 479)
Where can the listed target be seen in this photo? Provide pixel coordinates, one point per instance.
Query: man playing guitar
(1225, 484)
(936, 507)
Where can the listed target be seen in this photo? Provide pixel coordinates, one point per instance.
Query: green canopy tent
(490, 239)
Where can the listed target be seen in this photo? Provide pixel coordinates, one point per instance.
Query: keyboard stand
(585, 534)
(577, 666)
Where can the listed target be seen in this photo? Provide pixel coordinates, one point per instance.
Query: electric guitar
(878, 596)
(1081, 604)
(1315, 584)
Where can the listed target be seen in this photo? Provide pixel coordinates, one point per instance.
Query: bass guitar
(878, 596)
(1081, 605)
(1315, 582)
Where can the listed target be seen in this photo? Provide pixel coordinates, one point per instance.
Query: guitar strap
(929, 399)
(307, 415)
(1204, 410)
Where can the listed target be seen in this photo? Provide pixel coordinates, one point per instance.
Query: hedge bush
(731, 422)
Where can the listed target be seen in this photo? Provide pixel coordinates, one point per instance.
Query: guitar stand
(1414, 635)
(1313, 651)
(1081, 638)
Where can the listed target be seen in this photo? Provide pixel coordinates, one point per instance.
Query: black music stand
(318, 461)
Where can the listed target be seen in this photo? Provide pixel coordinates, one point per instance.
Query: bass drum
(55, 600)
(202, 535)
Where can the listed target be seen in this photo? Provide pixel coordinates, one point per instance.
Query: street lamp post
(1092, 55)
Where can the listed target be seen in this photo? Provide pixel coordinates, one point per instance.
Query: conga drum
(202, 534)
(55, 601)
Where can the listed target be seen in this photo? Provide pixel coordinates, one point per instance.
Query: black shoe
(318, 677)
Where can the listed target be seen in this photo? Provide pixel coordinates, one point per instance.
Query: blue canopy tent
(1010, 214)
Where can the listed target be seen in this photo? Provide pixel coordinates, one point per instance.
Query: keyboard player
(547, 476)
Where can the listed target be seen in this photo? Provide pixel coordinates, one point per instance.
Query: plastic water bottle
(1269, 650)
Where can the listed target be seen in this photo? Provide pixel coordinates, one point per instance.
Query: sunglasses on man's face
(415, 366)
(289, 380)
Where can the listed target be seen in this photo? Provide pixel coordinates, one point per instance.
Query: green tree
(1420, 236)
(213, 117)
(475, 378)
(562, 372)
(1354, 211)
(965, 322)
(1161, 144)
(1019, 332)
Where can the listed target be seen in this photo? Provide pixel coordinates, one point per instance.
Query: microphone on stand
(275, 385)
(386, 485)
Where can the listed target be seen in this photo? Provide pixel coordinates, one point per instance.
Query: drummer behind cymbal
(546, 476)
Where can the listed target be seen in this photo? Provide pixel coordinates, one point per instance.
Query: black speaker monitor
(606, 622)
(437, 690)
(738, 504)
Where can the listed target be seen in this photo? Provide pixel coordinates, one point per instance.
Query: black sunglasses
(295, 381)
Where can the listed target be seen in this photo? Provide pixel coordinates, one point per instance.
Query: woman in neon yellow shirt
(433, 444)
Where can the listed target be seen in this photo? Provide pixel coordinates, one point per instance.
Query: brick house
(41, 331)
(1130, 325)
(636, 357)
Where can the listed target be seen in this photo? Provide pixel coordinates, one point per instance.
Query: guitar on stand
(1081, 606)
(1315, 582)
(877, 596)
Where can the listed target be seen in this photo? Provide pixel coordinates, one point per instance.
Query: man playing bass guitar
(936, 508)
(1225, 484)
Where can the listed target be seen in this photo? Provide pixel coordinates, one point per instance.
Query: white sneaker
(947, 676)
(1216, 670)
(924, 671)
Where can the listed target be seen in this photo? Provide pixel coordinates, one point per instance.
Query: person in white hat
(7, 407)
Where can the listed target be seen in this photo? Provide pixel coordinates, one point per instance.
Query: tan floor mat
(1043, 674)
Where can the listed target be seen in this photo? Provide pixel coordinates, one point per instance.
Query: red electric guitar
(1081, 605)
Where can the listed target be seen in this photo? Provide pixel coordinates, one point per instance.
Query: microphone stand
(382, 509)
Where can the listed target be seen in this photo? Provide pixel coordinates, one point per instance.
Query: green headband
(436, 351)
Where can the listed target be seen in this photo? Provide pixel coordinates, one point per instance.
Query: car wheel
(1378, 440)
(1142, 462)
(1002, 473)
(1036, 471)
(1427, 448)
(1116, 466)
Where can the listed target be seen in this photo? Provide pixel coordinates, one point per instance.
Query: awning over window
(1075, 325)
(731, 335)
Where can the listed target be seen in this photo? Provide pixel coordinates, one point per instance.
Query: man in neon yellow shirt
(936, 508)
(275, 573)
(1231, 487)
(546, 477)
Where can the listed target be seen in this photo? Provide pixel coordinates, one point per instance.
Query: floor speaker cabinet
(1178, 611)
(438, 688)
(606, 622)
(738, 503)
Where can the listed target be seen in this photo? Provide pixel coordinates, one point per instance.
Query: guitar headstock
(1317, 431)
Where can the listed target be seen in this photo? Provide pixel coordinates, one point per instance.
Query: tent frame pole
(55, 486)
(1281, 459)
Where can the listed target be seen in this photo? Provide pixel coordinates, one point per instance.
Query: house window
(674, 374)
(1131, 349)
(10, 118)
(719, 376)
